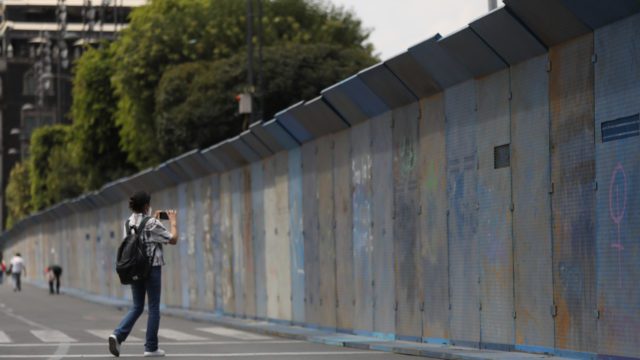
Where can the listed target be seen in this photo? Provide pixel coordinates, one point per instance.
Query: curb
(324, 337)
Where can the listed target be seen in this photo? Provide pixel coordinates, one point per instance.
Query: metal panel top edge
(507, 36)
(438, 63)
(387, 86)
(471, 51)
(413, 75)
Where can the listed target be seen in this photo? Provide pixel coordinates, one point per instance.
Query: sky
(400, 24)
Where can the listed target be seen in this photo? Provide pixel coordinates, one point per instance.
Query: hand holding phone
(162, 215)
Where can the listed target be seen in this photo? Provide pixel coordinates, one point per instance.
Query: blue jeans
(151, 287)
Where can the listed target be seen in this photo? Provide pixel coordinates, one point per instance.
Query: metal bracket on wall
(551, 188)
(548, 66)
(595, 186)
(515, 315)
(422, 306)
(594, 58)
(596, 314)
(554, 310)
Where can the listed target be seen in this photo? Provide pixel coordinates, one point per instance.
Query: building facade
(39, 42)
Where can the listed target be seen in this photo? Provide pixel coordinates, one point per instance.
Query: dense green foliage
(167, 85)
(95, 144)
(18, 194)
(194, 101)
(52, 174)
(208, 30)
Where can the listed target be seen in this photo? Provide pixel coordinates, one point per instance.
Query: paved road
(36, 325)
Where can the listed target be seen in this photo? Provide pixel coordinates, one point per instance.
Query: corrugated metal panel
(208, 281)
(226, 242)
(412, 75)
(249, 280)
(466, 46)
(362, 232)
(326, 234)
(462, 179)
(408, 270)
(531, 214)
(573, 174)
(183, 245)
(271, 237)
(256, 144)
(216, 239)
(439, 64)
(237, 210)
(597, 13)
(353, 100)
(311, 233)
(178, 171)
(200, 271)
(297, 235)
(617, 90)
(282, 246)
(432, 184)
(387, 86)
(258, 233)
(549, 20)
(163, 171)
(265, 137)
(318, 118)
(288, 119)
(344, 220)
(280, 134)
(507, 36)
(194, 164)
(494, 216)
(195, 259)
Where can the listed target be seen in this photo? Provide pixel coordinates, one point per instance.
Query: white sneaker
(157, 353)
(114, 345)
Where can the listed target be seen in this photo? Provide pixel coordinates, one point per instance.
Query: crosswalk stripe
(104, 334)
(4, 338)
(52, 336)
(233, 333)
(177, 335)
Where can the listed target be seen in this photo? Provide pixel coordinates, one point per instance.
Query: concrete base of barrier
(438, 351)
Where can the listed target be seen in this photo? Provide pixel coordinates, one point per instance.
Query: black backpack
(133, 263)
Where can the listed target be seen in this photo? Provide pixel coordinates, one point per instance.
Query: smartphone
(162, 215)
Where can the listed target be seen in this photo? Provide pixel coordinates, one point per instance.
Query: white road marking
(61, 351)
(209, 355)
(233, 333)
(164, 344)
(177, 335)
(4, 338)
(104, 334)
(52, 336)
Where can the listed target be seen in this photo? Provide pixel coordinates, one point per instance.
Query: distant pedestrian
(53, 275)
(153, 236)
(3, 269)
(17, 268)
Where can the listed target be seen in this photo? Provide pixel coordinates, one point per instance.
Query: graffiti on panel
(617, 208)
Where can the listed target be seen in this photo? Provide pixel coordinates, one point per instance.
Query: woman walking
(154, 236)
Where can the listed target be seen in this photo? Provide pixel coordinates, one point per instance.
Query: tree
(95, 143)
(171, 32)
(195, 104)
(18, 193)
(52, 174)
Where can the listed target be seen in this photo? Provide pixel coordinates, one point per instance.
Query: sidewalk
(326, 337)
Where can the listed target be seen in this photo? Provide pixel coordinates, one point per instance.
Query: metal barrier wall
(462, 193)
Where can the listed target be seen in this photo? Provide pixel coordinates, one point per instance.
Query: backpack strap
(143, 223)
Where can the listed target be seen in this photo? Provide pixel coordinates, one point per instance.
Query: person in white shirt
(17, 269)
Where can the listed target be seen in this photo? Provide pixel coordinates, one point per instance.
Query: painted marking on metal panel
(52, 336)
(234, 334)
